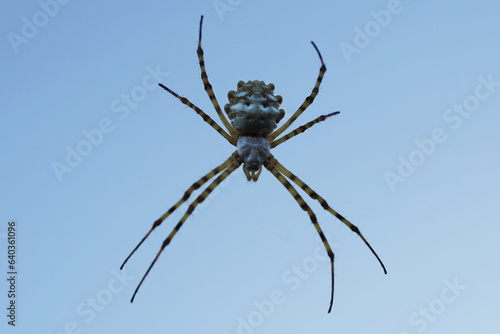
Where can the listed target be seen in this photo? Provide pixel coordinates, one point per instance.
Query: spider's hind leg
(209, 89)
(302, 128)
(303, 205)
(307, 102)
(200, 112)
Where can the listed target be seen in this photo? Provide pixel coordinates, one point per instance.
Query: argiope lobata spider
(253, 115)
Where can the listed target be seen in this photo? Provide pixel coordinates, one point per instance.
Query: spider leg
(323, 203)
(184, 198)
(301, 129)
(208, 87)
(200, 112)
(303, 205)
(235, 163)
(307, 102)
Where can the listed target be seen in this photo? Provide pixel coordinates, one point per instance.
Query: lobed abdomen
(253, 108)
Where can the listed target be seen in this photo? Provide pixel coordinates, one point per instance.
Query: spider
(253, 116)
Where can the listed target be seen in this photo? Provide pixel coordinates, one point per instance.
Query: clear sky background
(412, 159)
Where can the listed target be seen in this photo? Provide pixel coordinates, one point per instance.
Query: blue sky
(412, 160)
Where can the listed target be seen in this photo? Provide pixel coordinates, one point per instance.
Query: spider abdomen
(253, 108)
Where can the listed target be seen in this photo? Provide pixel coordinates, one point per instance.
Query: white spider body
(254, 151)
(253, 118)
(253, 108)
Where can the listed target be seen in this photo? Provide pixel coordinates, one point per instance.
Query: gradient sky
(412, 160)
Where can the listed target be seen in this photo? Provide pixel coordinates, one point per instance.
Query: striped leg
(301, 129)
(307, 101)
(234, 164)
(200, 112)
(209, 90)
(184, 198)
(323, 203)
(303, 205)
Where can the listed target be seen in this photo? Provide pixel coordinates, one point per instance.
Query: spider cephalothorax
(254, 151)
(254, 115)
(253, 108)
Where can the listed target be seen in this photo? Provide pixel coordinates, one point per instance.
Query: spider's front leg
(324, 204)
(233, 163)
(303, 205)
(214, 172)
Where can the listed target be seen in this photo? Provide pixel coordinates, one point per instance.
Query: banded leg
(301, 129)
(303, 205)
(200, 112)
(307, 101)
(209, 90)
(323, 203)
(184, 198)
(232, 167)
